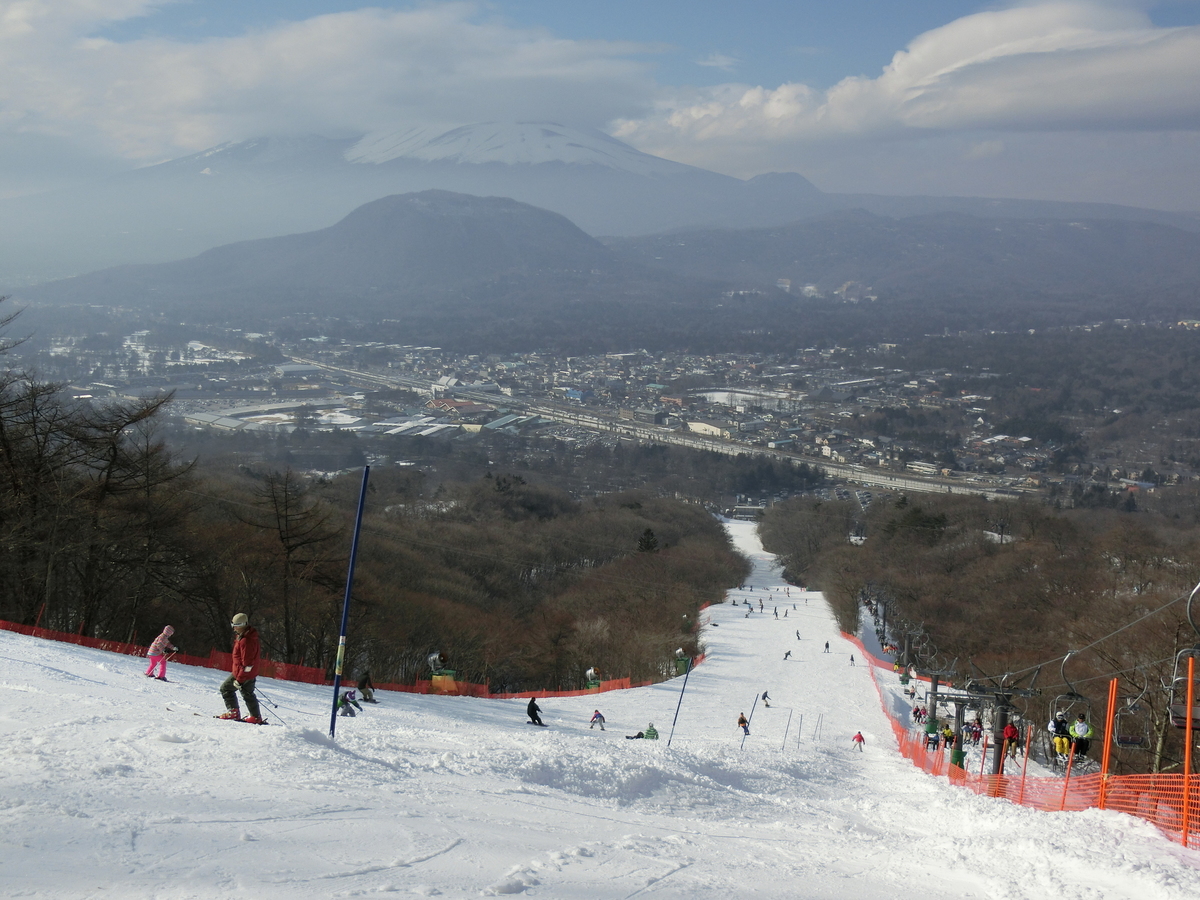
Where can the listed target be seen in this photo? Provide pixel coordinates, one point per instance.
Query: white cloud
(984, 149)
(718, 61)
(1039, 67)
(345, 73)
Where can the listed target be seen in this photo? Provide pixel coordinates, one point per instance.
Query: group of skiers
(533, 711)
(244, 672)
(1065, 736)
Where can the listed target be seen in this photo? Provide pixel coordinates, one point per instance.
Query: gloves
(237, 684)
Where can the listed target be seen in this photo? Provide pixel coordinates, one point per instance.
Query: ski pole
(269, 702)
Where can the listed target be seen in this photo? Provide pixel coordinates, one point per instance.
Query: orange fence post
(983, 756)
(1062, 804)
(1187, 750)
(1025, 768)
(1108, 735)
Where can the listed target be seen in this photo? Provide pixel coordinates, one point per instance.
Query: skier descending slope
(245, 671)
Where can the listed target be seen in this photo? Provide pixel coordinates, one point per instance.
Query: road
(869, 476)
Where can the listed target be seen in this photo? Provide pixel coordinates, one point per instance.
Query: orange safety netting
(1158, 799)
(222, 661)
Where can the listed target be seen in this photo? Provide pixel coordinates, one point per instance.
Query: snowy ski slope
(107, 792)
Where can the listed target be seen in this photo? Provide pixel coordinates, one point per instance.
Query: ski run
(107, 792)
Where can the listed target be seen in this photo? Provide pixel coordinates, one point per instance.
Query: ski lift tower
(935, 673)
(1000, 694)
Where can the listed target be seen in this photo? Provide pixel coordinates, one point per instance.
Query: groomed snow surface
(113, 788)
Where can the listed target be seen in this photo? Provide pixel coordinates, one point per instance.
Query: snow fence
(1158, 799)
(222, 661)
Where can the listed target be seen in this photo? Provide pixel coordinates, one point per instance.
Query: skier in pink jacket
(158, 654)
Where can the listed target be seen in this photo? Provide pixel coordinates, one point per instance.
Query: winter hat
(1061, 715)
(168, 631)
(240, 619)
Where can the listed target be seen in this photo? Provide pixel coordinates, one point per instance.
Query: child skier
(597, 719)
(158, 656)
(347, 704)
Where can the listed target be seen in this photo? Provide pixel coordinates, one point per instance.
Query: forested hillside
(103, 532)
(1003, 587)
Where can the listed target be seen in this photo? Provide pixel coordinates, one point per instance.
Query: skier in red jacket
(245, 670)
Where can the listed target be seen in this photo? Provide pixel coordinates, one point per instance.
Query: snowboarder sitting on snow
(532, 711)
(743, 723)
(649, 734)
(347, 704)
(245, 670)
(366, 688)
(158, 655)
(597, 719)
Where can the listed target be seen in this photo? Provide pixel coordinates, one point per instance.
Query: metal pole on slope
(680, 702)
(341, 651)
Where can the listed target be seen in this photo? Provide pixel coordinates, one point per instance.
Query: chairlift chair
(1071, 703)
(1131, 723)
(1177, 704)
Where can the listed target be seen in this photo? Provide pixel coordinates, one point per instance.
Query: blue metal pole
(680, 703)
(341, 651)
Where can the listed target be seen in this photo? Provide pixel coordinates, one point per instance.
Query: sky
(114, 784)
(1049, 99)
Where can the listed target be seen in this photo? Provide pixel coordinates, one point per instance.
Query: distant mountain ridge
(494, 274)
(429, 244)
(268, 187)
(934, 252)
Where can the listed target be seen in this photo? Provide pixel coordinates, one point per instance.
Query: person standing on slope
(532, 711)
(744, 723)
(766, 700)
(245, 670)
(597, 719)
(858, 740)
(366, 689)
(1012, 740)
(158, 654)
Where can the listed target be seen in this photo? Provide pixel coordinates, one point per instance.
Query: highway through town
(868, 476)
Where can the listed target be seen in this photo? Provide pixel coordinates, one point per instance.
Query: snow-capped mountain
(273, 186)
(511, 143)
